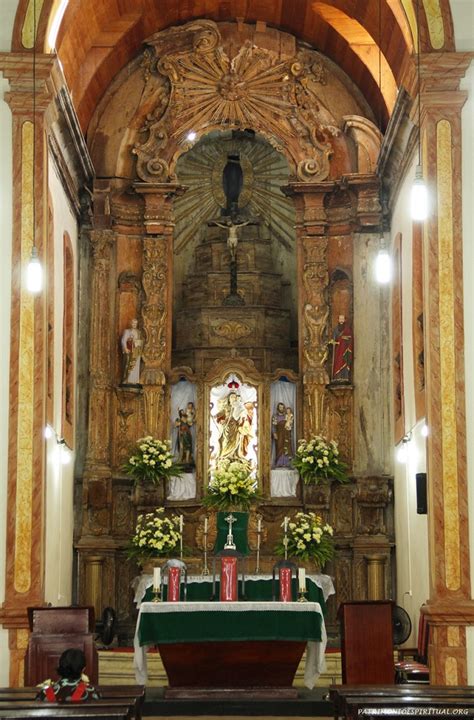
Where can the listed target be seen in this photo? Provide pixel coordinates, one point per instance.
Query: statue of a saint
(183, 424)
(282, 429)
(342, 343)
(132, 344)
(234, 423)
(232, 181)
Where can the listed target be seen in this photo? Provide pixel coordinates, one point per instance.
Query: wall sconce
(402, 452)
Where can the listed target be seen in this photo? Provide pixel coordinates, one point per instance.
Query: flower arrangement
(231, 487)
(308, 538)
(317, 460)
(152, 461)
(155, 535)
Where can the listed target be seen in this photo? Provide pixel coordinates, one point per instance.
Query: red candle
(285, 584)
(228, 579)
(174, 583)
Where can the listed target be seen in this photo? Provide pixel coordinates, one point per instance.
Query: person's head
(289, 411)
(182, 413)
(281, 407)
(232, 398)
(71, 664)
(341, 319)
(134, 323)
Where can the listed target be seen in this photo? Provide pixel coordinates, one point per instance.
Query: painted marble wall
(59, 477)
(468, 234)
(5, 284)
(411, 530)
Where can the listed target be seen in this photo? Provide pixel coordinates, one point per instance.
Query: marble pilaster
(450, 607)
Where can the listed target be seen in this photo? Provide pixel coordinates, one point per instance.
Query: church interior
(218, 194)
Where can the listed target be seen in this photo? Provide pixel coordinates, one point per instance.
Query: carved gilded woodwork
(215, 84)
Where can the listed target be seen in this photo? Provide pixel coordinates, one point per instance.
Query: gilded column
(313, 309)
(26, 482)
(157, 285)
(450, 607)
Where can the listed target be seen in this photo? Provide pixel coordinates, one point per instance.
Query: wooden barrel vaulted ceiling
(97, 38)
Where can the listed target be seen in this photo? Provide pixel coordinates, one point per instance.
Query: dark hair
(71, 664)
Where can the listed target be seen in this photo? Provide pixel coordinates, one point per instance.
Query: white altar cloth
(142, 582)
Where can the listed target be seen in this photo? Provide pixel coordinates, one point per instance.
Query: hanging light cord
(418, 69)
(33, 173)
(380, 65)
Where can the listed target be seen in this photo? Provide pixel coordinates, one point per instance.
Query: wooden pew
(115, 709)
(358, 701)
(132, 695)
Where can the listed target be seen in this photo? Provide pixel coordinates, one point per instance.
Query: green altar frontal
(207, 622)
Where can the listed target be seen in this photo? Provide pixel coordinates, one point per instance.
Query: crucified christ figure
(232, 238)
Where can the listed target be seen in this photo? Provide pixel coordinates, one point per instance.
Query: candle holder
(259, 534)
(156, 597)
(205, 569)
(301, 595)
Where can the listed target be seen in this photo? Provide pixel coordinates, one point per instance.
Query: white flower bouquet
(308, 538)
(231, 487)
(152, 461)
(317, 459)
(155, 535)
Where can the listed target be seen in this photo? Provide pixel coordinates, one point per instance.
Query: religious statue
(282, 429)
(183, 423)
(342, 342)
(232, 239)
(132, 344)
(234, 421)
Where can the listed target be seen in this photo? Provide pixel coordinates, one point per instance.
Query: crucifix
(230, 544)
(233, 298)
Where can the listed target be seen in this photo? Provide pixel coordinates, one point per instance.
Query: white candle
(205, 525)
(259, 524)
(302, 579)
(285, 524)
(181, 524)
(156, 577)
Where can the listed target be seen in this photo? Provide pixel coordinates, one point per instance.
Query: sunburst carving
(264, 172)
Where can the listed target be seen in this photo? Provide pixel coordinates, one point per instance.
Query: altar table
(257, 588)
(235, 644)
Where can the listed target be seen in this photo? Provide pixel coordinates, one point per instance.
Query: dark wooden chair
(53, 630)
(412, 667)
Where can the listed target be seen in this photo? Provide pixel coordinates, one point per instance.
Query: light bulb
(419, 196)
(191, 136)
(383, 267)
(425, 431)
(34, 273)
(402, 453)
(48, 432)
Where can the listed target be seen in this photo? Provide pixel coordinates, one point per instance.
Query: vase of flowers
(156, 535)
(151, 461)
(232, 487)
(308, 538)
(317, 460)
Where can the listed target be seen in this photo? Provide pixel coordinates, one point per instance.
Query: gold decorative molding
(233, 330)
(447, 347)
(434, 18)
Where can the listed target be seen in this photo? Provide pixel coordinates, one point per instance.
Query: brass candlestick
(205, 570)
(301, 595)
(156, 594)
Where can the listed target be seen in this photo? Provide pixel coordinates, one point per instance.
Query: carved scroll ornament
(255, 88)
